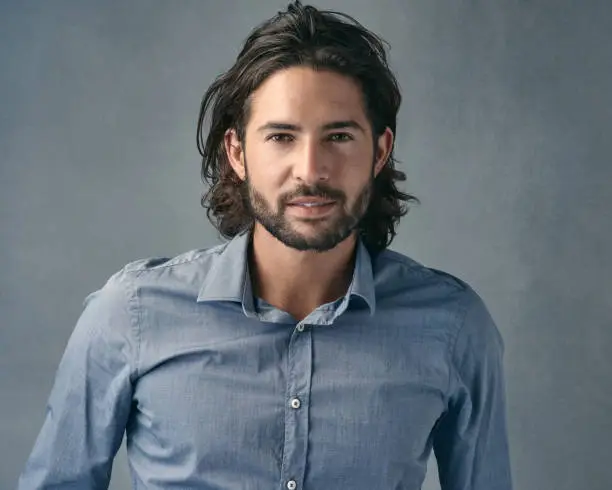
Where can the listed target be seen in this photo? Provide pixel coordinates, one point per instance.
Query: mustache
(318, 190)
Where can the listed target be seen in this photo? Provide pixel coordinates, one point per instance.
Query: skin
(298, 145)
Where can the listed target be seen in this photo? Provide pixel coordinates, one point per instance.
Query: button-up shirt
(216, 389)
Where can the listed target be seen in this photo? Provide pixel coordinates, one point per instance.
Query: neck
(298, 282)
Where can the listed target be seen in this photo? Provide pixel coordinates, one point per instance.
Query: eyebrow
(349, 123)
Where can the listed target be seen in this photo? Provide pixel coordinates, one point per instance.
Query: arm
(470, 439)
(90, 400)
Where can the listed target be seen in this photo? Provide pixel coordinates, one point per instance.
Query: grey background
(505, 133)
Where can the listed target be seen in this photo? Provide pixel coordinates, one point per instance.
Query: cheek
(262, 173)
(265, 180)
(355, 192)
(264, 185)
(355, 175)
(357, 161)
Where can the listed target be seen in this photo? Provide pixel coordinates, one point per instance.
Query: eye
(340, 137)
(280, 138)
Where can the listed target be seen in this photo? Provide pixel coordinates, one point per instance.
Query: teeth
(312, 204)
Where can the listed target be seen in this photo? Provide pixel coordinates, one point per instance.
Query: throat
(298, 282)
(302, 295)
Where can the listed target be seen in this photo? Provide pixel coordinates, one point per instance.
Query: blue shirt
(215, 389)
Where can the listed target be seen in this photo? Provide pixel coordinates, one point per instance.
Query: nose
(311, 164)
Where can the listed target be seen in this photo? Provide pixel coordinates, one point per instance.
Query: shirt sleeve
(470, 439)
(90, 400)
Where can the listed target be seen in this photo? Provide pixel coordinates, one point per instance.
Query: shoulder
(394, 270)
(158, 264)
(187, 266)
(122, 290)
(408, 281)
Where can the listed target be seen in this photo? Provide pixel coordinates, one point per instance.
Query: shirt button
(291, 485)
(295, 403)
(300, 327)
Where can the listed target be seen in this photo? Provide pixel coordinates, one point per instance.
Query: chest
(339, 398)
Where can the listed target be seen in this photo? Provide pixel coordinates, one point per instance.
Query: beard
(327, 233)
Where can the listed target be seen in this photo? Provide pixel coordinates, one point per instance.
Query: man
(302, 353)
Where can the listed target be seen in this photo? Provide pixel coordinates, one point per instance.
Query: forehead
(308, 96)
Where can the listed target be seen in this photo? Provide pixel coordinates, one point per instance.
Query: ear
(234, 152)
(384, 145)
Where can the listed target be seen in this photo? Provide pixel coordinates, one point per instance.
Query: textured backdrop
(505, 133)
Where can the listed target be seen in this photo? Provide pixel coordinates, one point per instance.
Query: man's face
(309, 160)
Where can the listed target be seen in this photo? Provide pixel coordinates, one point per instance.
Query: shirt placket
(297, 404)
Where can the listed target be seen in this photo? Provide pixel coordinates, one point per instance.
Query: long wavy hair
(322, 40)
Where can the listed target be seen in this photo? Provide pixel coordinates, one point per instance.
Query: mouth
(310, 203)
(310, 207)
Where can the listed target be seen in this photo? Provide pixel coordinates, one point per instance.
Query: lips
(310, 208)
(310, 202)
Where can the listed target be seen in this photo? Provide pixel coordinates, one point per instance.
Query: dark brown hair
(323, 40)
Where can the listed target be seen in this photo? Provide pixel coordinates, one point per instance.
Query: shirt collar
(228, 278)
(362, 284)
